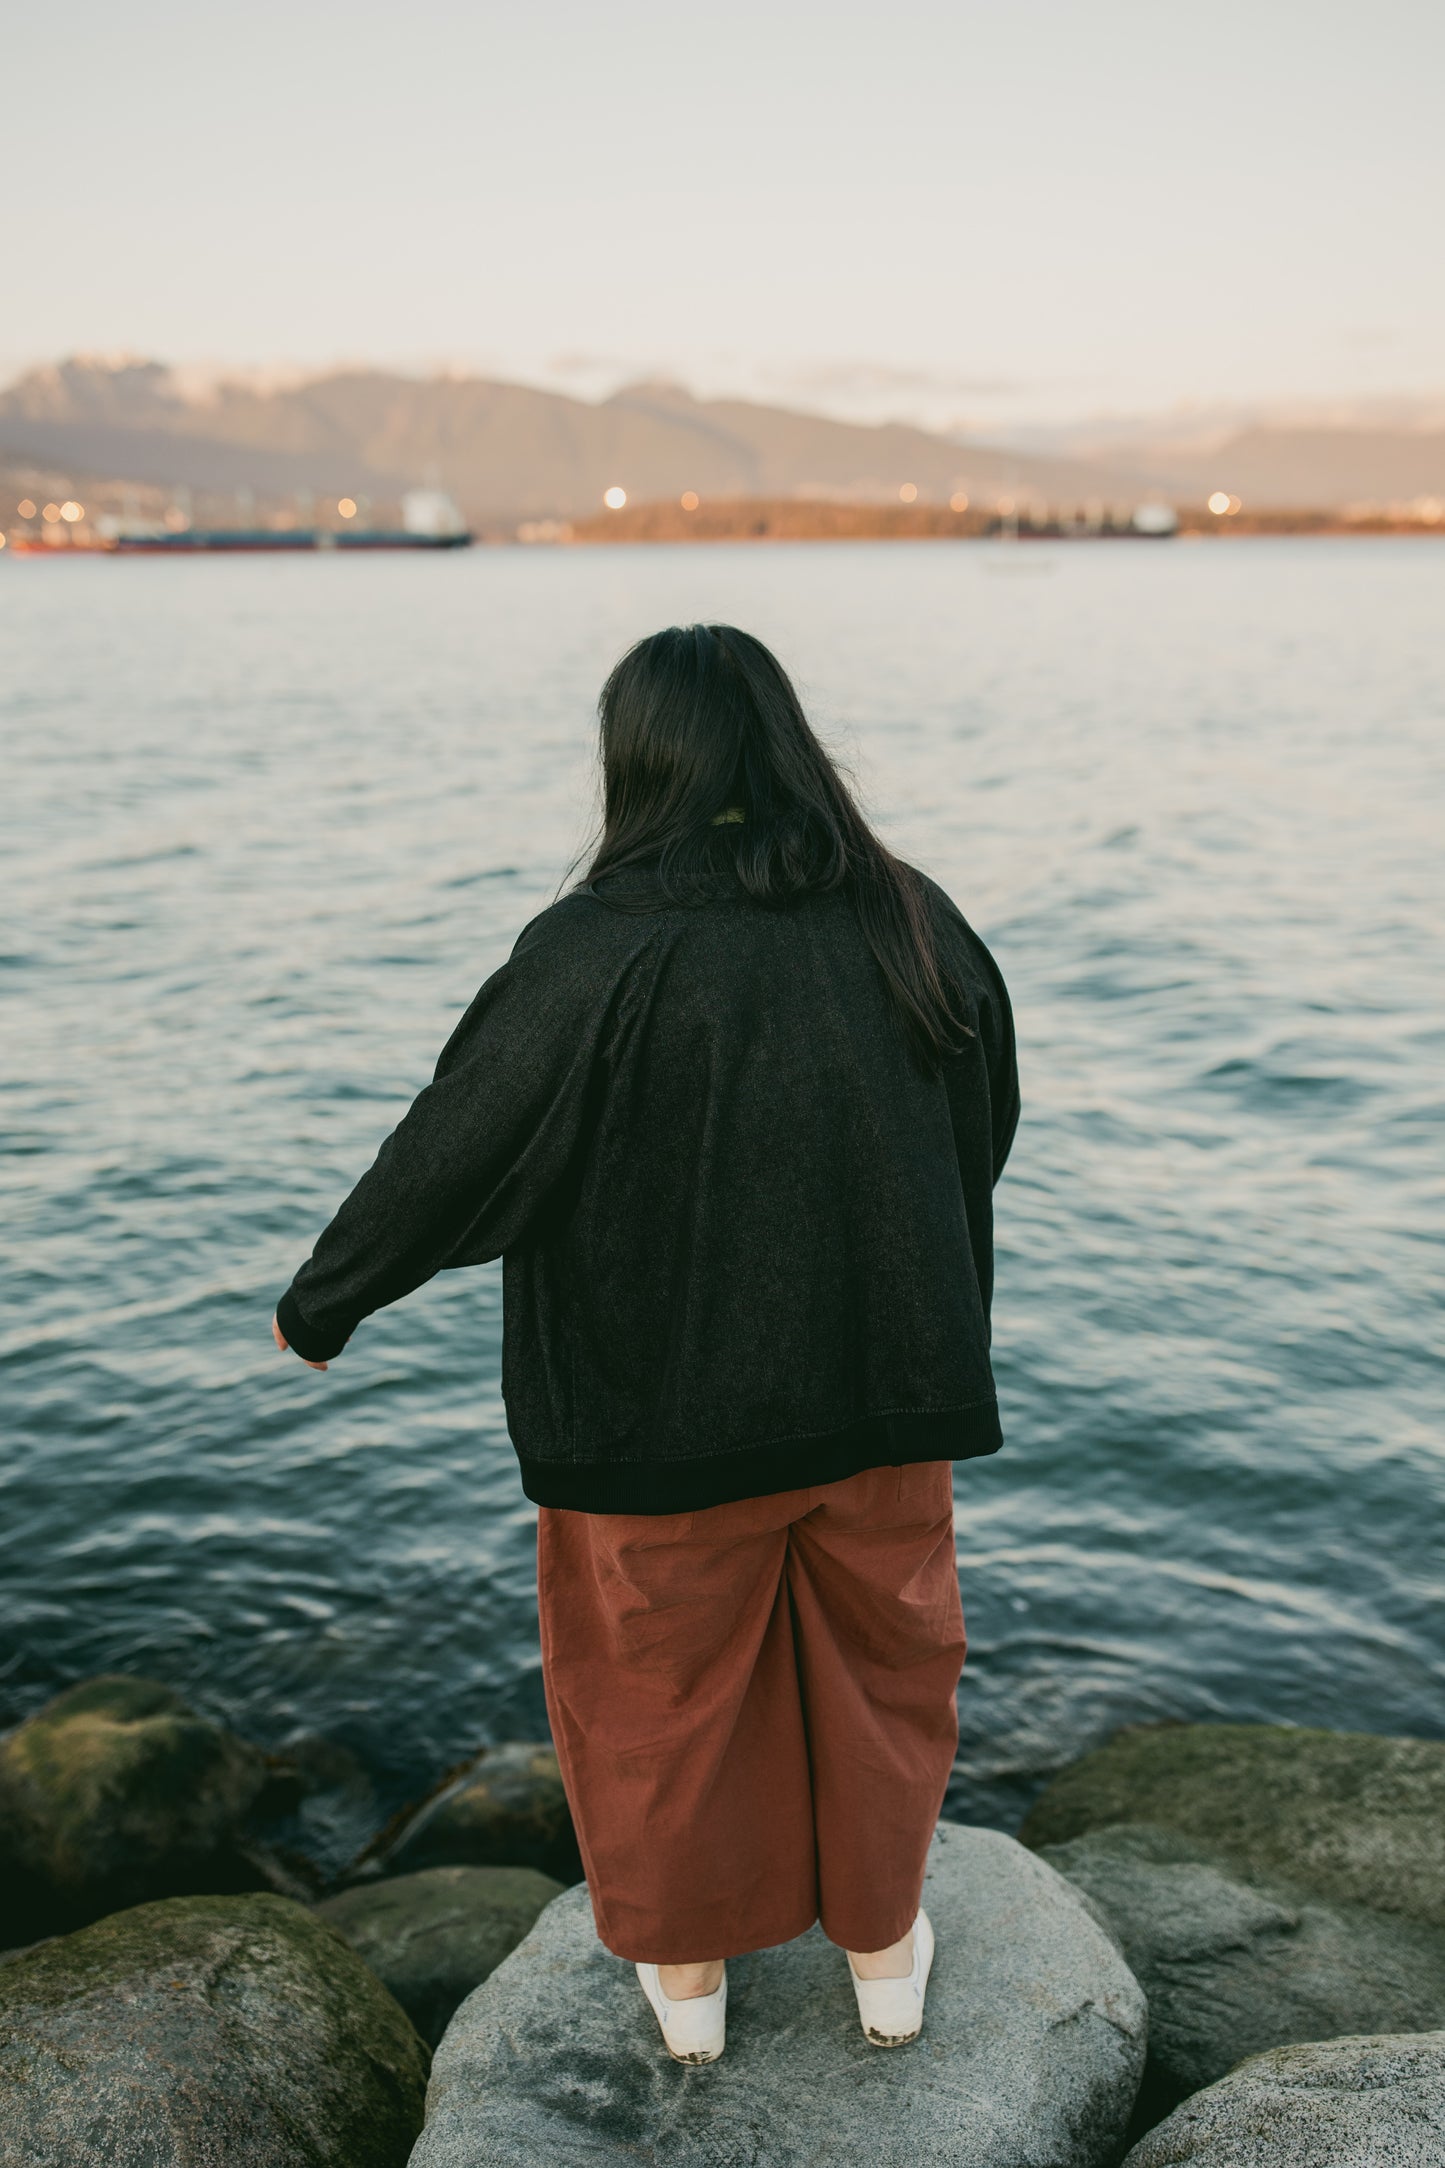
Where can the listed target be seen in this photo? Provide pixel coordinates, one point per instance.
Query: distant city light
(25, 508)
(346, 506)
(51, 512)
(614, 498)
(689, 500)
(2, 541)
(958, 502)
(72, 511)
(908, 492)
(1221, 502)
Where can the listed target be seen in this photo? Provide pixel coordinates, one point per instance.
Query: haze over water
(271, 823)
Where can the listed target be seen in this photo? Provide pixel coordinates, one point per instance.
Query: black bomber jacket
(747, 1239)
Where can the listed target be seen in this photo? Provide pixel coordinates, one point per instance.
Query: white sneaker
(695, 2030)
(891, 2011)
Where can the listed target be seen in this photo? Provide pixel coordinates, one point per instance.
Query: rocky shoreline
(1209, 1944)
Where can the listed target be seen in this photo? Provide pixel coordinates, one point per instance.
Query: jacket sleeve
(996, 1041)
(996, 1030)
(464, 1174)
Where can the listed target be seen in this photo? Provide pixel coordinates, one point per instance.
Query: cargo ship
(197, 541)
(429, 521)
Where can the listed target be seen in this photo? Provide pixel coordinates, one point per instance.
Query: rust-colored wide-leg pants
(754, 1710)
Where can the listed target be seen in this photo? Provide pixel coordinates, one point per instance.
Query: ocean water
(268, 824)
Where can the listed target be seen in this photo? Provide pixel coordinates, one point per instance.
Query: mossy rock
(1343, 1815)
(117, 1792)
(504, 1808)
(205, 2032)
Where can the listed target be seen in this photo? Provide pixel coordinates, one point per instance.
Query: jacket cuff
(312, 1345)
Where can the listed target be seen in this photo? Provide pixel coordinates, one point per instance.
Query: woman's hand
(283, 1343)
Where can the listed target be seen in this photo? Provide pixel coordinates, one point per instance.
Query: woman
(731, 1115)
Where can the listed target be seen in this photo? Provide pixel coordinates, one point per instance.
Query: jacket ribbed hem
(303, 1339)
(760, 1471)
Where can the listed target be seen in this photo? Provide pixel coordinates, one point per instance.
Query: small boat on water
(1148, 522)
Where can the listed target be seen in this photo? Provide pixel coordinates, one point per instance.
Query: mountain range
(509, 451)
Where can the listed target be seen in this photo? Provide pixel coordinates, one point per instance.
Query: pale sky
(942, 208)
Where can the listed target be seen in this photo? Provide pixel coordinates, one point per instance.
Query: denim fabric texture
(747, 1238)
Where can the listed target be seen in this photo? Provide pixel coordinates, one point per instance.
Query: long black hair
(701, 721)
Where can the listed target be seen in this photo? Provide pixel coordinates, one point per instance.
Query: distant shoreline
(732, 519)
(802, 519)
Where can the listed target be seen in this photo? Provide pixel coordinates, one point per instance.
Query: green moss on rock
(117, 1792)
(205, 2032)
(1344, 1815)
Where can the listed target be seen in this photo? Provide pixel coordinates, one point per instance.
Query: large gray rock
(1030, 2056)
(1234, 1965)
(432, 1937)
(205, 2032)
(1344, 1815)
(1373, 2103)
(117, 1792)
(503, 1808)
